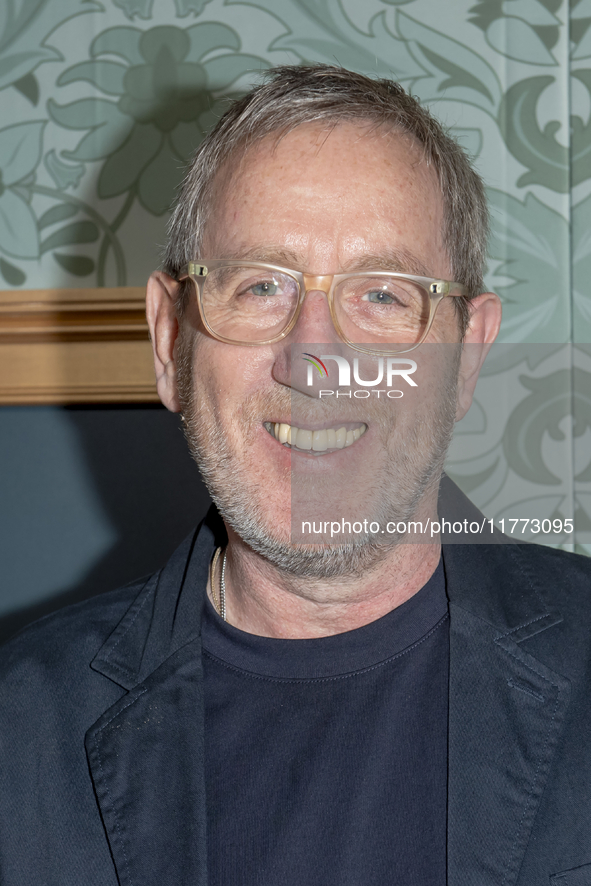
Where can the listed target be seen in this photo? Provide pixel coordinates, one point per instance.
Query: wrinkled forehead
(345, 168)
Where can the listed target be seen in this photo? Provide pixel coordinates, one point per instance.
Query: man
(265, 711)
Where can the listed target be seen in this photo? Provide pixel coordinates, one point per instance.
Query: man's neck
(261, 599)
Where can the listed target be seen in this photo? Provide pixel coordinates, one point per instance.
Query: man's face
(321, 201)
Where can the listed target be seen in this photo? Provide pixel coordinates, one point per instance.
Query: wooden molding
(75, 346)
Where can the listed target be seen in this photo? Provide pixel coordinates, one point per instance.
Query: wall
(91, 498)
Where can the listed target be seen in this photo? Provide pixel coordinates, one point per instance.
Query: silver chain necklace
(220, 605)
(223, 588)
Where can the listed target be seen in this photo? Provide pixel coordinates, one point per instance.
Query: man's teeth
(316, 441)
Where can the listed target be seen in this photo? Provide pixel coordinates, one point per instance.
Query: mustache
(281, 404)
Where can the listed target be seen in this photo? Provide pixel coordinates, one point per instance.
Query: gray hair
(293, 95)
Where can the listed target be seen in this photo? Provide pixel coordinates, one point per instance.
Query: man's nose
(314, 326)
(314, 323)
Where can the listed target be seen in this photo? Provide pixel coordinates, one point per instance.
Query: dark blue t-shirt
(326, 759)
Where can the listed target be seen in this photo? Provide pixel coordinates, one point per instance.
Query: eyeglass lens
(253, 304)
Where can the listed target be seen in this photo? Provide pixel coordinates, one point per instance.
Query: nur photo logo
(386, 371)
(315, 362)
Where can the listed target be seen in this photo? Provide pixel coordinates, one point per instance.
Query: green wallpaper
(103, 102)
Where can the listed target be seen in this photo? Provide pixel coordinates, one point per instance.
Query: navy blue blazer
(101, 728)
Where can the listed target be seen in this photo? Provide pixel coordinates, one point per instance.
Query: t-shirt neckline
(339, 654)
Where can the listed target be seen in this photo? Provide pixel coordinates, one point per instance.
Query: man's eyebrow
(399, 260)
(391, 259)
(274, 255)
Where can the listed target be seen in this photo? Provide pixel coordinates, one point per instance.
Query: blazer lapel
(146, 756)
(146, 752)
(506, 710)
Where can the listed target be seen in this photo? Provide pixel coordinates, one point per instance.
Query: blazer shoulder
(561, 579)
(561, 569)
(69, 637)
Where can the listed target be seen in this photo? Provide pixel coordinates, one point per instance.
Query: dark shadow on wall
(151, 492)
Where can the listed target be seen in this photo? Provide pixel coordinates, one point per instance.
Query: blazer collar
(166, 614)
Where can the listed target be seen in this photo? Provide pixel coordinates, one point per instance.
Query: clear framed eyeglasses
(255, 303)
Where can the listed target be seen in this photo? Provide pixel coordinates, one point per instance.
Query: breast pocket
(580, 876)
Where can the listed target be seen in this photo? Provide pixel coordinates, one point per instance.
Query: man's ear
(483, 328)
(161, 299)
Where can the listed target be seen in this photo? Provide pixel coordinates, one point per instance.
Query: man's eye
(268, 287)
(379, 297)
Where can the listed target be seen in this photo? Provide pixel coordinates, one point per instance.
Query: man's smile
(320, 440)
